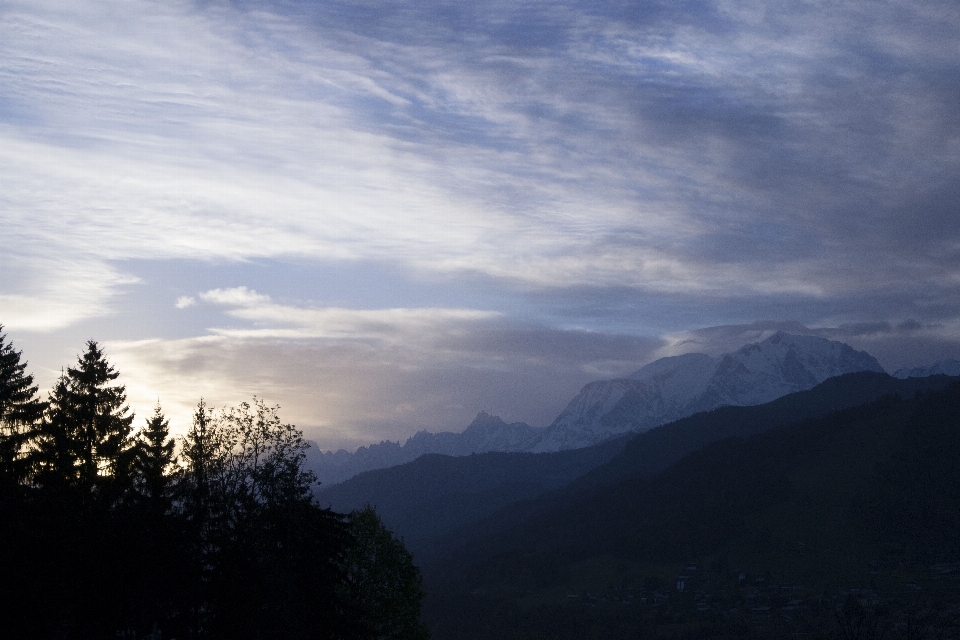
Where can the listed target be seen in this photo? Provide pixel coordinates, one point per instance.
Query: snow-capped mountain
(678, 386)
(944, 367)
(486, 433)
(664, 390)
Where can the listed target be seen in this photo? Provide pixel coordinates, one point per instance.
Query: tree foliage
(383, 580)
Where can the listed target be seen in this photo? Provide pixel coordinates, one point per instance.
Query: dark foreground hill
(436, 494)
(842, 523)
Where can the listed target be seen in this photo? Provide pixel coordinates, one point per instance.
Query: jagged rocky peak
(486, 433)
(485, 421)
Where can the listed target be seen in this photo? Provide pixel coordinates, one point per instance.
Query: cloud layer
(352, 377)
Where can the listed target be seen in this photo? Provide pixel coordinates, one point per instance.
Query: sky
(387, 216)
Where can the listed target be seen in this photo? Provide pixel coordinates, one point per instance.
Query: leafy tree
(263, 459)
(383, 580)
(269, 561)
(241, 462)
(19, 410)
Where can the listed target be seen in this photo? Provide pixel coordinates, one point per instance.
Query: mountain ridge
(943, 367)
(674, 387)
(662, 391)
(485, 434)
(436, 494)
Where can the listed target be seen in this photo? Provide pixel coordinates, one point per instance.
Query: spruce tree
(104, 419)
(197, 450)
(153, 461)
(55, 456)
(19, 410)
(85, 438)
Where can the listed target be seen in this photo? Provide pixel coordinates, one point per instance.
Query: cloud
(356, 387)
(235, 297)
(185, 301)
(703, 150)
(45, 294)
(286, 321)
(895, 344)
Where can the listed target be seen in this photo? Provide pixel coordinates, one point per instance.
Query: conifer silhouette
(153, 461)
(20, 410)
(84, 440)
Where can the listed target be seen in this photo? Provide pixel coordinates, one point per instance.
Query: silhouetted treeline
(107, 531)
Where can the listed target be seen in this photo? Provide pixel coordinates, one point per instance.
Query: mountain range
(664, 390)
(832, 505)
(435, 495)
(674, 387)
(486, 433)
(442, 505)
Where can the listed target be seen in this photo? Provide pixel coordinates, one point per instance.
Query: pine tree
(103, 418)
(197, 449)
(55, 453)
(153, 461)
(84, 439)
(19, 410)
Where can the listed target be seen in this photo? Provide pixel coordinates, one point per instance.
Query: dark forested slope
(867, 498)
(436, 494)
(655, 450)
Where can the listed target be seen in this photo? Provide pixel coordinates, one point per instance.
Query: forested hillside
(110, 531)
(436, 495)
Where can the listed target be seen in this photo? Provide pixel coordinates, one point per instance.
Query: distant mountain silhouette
(486, 433)
(440, 503)
(944, 367)
(651, 452)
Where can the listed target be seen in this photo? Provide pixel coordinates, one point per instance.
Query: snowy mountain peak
(677, 386)
(671, 364)
(662, 391)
